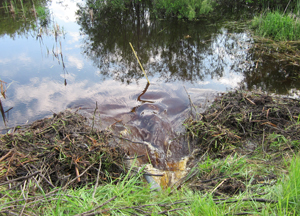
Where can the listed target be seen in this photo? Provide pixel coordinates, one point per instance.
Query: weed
(290, 193)
(5, 5)
(42, 12)
(190, 9)
(277, 26)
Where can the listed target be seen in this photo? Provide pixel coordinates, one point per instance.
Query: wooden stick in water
(139, 62)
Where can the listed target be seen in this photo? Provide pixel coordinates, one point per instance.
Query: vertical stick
(139, 62)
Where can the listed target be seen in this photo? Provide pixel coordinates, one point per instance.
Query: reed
(12, 8)
(139, 62)
(277, 26)
(5, 6)
(23, 9)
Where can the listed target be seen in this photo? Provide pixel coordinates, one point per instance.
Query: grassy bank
(277, 26)
(245, 161)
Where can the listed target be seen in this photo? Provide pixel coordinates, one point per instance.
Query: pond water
(82, 56)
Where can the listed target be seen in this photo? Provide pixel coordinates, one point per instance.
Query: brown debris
(238, 118)
(59, 149)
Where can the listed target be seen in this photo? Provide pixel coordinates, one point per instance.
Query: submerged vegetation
(244, 146)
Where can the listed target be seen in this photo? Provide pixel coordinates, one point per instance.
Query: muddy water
(73, 59)
(152, 130)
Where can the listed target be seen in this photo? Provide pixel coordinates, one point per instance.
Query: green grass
(290, 193)
(277, 26)
(42, 12)
(190, 9)
(133, 196)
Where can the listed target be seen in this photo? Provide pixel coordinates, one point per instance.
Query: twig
(167, 211)
(286, 7)
(142, 211)
(77, 172)
(191, 103)
(24, 206)
(218, 186)
(77, 177)
(134, 207)
(89, 213)
(21, 178)
(241, 213)
(97, 181)
(8, 212)
(150, 174)
(132, 158)
(219, 113)
(250, 101)
(6, 155)
(263, 140)
(40, 174)
(142, 143)
(250, 199)
(38, 198)
(94, 116)
(209, 180)
(139, 62)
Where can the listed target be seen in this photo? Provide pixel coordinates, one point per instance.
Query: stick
(218, 186)
(21, 178)
(250, 199)
(171, 210)
(74, 179)
(139, 62)
(191, 103)
(219, 113)
(5, 156)
(77, 172)
(94, 116)
(287, 7)
(98, 175)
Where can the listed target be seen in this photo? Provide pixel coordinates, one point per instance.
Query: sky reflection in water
(102, 68)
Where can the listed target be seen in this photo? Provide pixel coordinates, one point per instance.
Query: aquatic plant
(190, 9)
(42, 12)
(277, 26)
(5, 6)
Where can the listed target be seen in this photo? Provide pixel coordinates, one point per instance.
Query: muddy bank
(66, 151)
(245, 121)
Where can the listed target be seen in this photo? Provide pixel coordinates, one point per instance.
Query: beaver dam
(68, 150)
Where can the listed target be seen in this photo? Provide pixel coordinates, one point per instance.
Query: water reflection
(82, 64)
(170, 50)
(271, 75)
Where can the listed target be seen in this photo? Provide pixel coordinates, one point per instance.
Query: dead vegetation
(287, 52)
(243, 132)
(58, 150)
(246, 121)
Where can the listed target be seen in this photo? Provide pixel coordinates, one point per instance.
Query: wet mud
(152, 130)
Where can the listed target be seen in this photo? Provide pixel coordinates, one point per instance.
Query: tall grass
(5, 6)
(190, 9)
(277, 26)
(42, 12)
(289, 201)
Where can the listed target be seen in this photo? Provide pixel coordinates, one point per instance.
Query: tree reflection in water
(170, 50)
